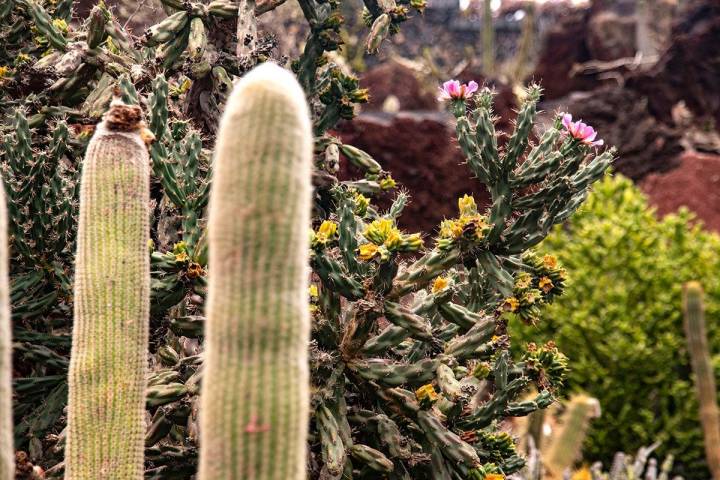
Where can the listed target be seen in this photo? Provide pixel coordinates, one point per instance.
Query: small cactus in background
(7, 457)
(695, 332)
(255, 399)
(565, 445)
(108, 363)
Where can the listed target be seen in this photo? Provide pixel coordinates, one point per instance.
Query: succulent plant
(255, 397)
(411, 373)
(108, 360)
(696, 334)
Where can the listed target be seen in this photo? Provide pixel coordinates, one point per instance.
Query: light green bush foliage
(620, 322)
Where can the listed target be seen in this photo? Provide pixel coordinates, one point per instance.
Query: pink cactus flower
(581, 131)
(454, 90)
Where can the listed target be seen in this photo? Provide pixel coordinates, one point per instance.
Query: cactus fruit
(106, 411)
(7, 462)
(255, 397)
(702, 366)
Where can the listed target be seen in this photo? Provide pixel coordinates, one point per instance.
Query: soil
(694, 184)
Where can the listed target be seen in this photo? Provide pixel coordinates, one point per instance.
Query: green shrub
(621, 325)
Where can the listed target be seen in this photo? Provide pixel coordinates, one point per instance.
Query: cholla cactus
(411, 360)
(411, 370)
(256, 392)
(108, 362)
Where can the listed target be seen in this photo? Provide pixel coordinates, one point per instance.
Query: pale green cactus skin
(701, 361)
(566, 445)
(7, 462)
(106, 410)
(255, 397)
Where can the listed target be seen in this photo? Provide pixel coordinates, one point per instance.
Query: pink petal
(591, 136)
(566, 120)
(582, 129)
(472, 87)
(597, 143)
(443, 95)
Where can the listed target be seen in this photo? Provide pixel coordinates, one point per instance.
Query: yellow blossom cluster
(468, 222)
(385, 238)
(535, 287)
(326, 233)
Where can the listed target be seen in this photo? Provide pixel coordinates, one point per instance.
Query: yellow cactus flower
(379, 230)
(361, 204)
(367, 251)
(313, 291)
(325, 233)
(550, 261)
(467, 205)
(545, 284)
(582, 474)
(387, 183)
(523, 281)
(60, 24)
(393, 240)
(450, 229)
(181, 257)
(440, 284)
(195, 270)
(531, 297)
(426, 392)
(511, 304)
(4, 71)
(328, 228)
(494, 476)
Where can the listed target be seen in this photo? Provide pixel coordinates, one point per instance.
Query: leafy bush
(621, 321)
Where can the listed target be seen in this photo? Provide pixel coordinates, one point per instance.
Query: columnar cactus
(566, 444)
(254, 402)
(7, 462)
(108, 363)
(702, 366)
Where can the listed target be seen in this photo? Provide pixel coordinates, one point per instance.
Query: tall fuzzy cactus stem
(108, 366)
(7, 460)
(255, 396)
(702, 366)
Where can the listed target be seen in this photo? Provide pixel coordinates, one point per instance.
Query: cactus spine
(255, 396)
(704, 373)
(112, 279)
(7, 462)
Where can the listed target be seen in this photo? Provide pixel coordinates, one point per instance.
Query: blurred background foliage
(621, 322)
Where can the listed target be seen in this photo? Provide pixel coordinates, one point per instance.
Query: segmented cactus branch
(255, 395)
(106, 411)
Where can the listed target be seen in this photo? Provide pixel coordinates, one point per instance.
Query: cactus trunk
(255, 397)
(702, 366)
(108, 365)
(7, 461)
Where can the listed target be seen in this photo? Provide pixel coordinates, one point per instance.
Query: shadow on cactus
(410, 358)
